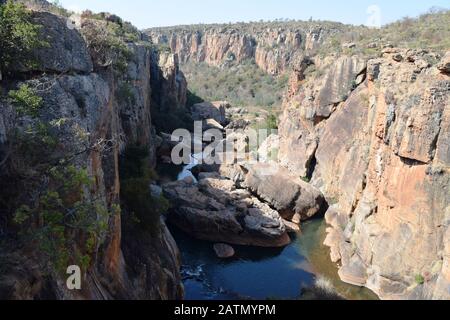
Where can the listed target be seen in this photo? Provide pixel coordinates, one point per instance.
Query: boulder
(283, 191)
(444, 65)
(224, 251)
(210, 110)
(214, 210)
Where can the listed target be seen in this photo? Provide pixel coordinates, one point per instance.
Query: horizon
(157, 14)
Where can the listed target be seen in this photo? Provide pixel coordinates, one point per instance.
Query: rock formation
(97, 115)
(272, 48)
(381, 158)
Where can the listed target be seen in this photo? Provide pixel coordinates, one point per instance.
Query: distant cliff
(273, 48)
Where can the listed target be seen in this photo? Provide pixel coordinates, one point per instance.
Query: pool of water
(261, 273)
(257, 273)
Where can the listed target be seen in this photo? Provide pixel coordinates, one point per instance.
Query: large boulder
(283, 191)
(210, 110)
(214, 210)
(444, 65)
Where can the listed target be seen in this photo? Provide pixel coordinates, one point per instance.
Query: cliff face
(100, 122)
(273, 49)
(378, 147)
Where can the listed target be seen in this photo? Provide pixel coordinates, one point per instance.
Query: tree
(19, 36)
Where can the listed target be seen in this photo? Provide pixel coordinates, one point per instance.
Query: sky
(157, 13)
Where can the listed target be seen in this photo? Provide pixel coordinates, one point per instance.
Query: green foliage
(107, 44)
(192, 99)
(178, 118)
(244, 84)
(420, 280)
(26, 101)
(63, 213)
(136, 176)
(18, 37)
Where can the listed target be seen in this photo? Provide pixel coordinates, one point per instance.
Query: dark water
(261, 273)
(258, 273)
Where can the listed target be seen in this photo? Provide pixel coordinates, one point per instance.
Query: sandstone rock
(209, 110)
(291, 227)
(224, 251)
(444, 65)
(349, 45)
(354, 272)
(285, 193)
(168, 83)
(373, 157)
(268, 151)
(67, 51)
(216, 211)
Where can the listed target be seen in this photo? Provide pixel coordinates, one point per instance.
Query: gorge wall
(368, 125)
(100, 113)
(374, 136)
(273, 49)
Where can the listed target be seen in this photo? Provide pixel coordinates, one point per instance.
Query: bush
(420, 280)
(26, 101)
(243, 84)
(136, 176)
(107, 45)
(18, 37)
(167, 122)
(63, 214)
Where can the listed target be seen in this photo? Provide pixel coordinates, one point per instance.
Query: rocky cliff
(372, 134)
(96, 113)
(273, 48)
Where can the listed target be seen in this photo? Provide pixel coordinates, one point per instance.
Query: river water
(258, 273)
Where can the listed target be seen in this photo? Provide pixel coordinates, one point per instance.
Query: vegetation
(64, 213)
(242, 85)
(136, 176)
(107, 42)
(19, 36)
(420, 280)
(26, 101)
(178, 118)
(46, 196)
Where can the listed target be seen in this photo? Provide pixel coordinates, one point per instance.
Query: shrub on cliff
(136, 175)
(18, 37)
(106, 45)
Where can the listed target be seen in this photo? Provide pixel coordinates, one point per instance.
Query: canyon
(363, 140)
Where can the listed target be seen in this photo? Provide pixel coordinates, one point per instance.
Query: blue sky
(155, 13)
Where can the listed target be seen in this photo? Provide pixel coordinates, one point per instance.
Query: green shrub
(63, 214)
(26, 101)
(420, 280)
(136, 176)
(243, 84)
(18, 37)
(167, 122)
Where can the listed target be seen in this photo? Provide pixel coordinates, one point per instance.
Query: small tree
(19, 36)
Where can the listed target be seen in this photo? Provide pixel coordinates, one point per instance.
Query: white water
(186, 172)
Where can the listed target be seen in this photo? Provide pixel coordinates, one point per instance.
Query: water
(261, 273)
(257, 273)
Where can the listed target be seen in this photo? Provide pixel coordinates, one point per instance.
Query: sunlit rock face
(274, 50)
(381, 157)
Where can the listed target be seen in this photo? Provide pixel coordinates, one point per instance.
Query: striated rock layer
(381, 157)
(273, 49)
